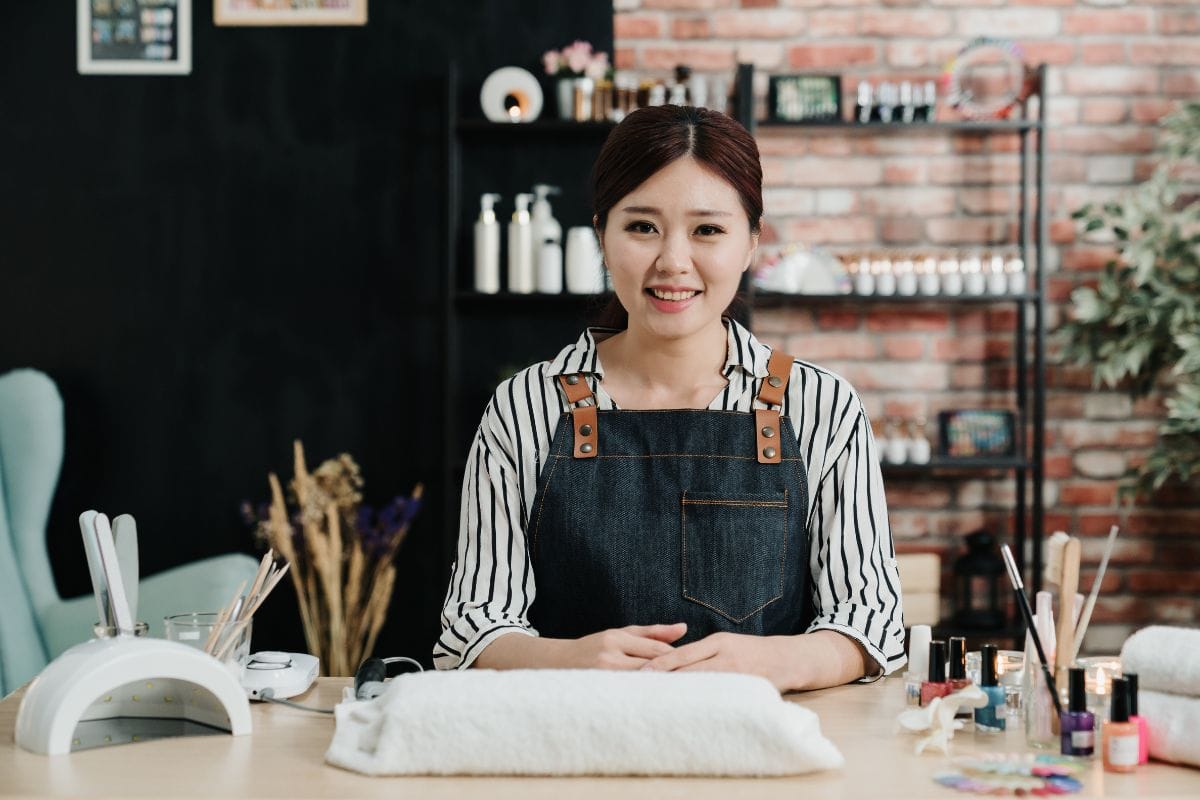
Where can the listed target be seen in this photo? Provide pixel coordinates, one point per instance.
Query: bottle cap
(1133, 692)
(958, 658)
(988, 655)
(1120, 700)
(1077, 696)
(937, 661)
(918, 651)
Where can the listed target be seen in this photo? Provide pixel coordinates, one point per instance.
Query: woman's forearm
(515, 650)
(826, 658)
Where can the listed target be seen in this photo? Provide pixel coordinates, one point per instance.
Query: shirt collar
(744, 351)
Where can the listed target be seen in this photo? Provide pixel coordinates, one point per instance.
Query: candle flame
(1101, 681)
(514, 113)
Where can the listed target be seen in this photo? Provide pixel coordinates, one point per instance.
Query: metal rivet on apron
(585, 430)
(768, 452)
(572, 379)
(586, 447)
(775, 381)
(768, 432)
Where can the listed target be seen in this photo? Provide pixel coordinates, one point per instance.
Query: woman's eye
(640, 227)
(708, 230)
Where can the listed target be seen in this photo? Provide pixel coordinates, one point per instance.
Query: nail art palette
(1004, 773)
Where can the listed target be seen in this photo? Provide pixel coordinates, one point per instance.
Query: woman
(639, 502)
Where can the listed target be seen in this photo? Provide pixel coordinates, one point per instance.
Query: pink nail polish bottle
(1143, 734)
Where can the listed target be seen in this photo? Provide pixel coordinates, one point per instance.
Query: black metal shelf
(943, 466)
(776, 299)
(541, 127)
(965, 126)
(511, 299)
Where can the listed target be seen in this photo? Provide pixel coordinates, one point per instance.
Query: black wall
(213, 265)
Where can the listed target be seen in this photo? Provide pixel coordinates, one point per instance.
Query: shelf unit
(560, 316)
(1029, 357)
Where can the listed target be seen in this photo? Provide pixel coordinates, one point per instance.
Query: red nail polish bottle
(937, 685)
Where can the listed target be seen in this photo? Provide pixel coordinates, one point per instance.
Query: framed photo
(804, 98)
(134, 37)
(290, 12)
(976, 433)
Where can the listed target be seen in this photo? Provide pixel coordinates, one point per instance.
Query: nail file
(112, 575)
(99, 587)
(125, 539)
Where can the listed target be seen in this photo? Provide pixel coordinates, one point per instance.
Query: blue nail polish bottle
(990, 718)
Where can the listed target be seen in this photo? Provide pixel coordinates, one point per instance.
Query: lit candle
(514, 113)
(1098, 674)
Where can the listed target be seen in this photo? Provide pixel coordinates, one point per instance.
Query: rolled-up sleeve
(491, 582)
(855, 581)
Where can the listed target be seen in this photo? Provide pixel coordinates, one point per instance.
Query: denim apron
(649, 517)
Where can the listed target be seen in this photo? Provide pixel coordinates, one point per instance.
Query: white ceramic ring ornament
(511, 94)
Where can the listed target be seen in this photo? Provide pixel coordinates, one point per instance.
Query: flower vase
(566, 97)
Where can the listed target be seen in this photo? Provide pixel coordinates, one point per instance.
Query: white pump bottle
(521, 266)
(487, 246)
(547, 241)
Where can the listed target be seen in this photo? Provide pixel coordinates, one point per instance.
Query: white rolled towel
(1173, 725)
(579, 722)
(1166, 659)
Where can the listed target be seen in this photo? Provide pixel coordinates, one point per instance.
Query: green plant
(1140, 326)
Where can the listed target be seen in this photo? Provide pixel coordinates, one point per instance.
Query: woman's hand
(805, 661)
(630, 647)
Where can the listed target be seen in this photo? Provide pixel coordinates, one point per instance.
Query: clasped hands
(650, 647)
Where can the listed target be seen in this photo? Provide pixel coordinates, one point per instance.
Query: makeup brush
(1062, 570)
(1023, 604)
(1086, 617)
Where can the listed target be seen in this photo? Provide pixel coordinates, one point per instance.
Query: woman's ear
(753, 251)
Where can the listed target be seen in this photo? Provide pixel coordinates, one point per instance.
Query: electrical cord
(269, 696)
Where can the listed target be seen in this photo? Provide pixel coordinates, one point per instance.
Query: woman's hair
(652, 138)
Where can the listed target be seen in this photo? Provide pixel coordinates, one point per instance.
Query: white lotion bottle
(547, 238)
(520, 248)
(487, 246)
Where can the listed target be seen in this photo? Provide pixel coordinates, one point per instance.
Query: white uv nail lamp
(127, 689)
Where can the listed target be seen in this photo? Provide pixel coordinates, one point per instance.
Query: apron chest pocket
(733, 549)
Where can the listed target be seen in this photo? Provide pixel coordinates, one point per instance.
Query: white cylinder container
(585, 270)
(550, 268)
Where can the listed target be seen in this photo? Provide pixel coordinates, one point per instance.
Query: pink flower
(578, 57)
(597, 68)
(552, 61)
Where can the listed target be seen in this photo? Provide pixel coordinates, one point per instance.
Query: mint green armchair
(35, 623)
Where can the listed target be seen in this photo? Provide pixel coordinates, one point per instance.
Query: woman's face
(676, 247)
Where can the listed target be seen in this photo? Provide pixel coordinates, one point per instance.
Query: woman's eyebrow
(697, 212)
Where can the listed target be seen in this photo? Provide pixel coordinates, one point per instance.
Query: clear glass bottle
(1038, 709)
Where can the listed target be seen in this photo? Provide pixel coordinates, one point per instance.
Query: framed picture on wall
(134, 37)
(976, 433)
(804, 98)
(290, 12)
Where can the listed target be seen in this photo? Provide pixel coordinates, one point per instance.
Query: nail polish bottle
(918, 663)
(1143, 734)
(1120, 738)
(991, 718)
(958, 674)
(937, 685)
(1077, 725)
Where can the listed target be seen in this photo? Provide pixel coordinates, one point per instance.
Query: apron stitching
(542, 503)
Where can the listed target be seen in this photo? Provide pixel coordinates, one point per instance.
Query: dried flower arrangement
(342, 555)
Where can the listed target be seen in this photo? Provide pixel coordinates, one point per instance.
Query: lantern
(979, 584)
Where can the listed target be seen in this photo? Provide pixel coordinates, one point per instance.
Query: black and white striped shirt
(853, 577)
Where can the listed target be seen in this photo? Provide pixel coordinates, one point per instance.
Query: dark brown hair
(653, 137)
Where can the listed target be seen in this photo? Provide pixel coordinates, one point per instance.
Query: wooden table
(284, 758)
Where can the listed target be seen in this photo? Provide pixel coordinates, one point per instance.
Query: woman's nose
(674, 255)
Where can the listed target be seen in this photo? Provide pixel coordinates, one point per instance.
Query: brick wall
(1116, 66)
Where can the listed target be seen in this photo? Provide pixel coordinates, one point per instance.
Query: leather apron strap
(766, 420)
(583, 414)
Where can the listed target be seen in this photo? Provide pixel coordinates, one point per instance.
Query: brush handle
(1086, 616)
(1067, 587)
(1051, 686)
